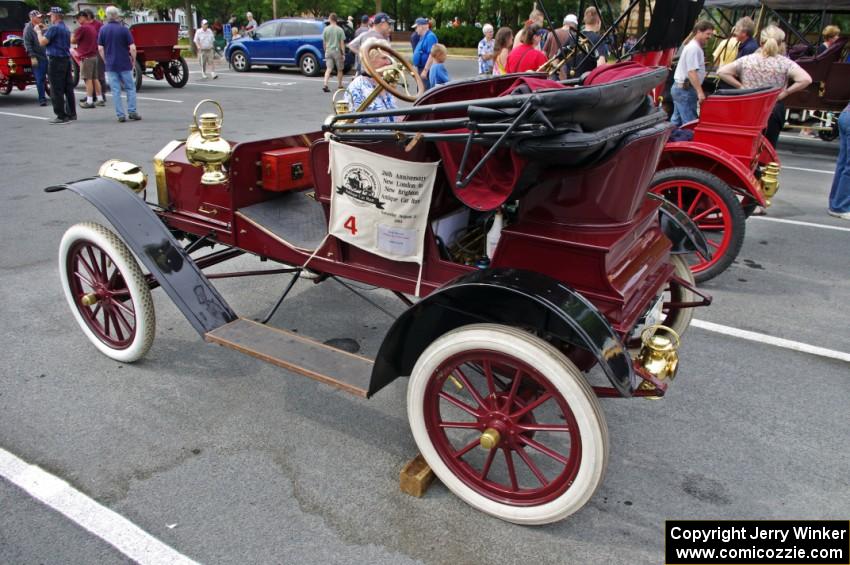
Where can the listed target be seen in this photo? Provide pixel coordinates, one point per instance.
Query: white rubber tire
(681, 320)
(566, 378)
(140, 293)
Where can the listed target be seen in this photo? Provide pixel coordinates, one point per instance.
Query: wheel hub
(490, 438)
(90, 299)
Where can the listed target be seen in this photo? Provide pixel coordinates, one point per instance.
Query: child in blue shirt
(438, 74)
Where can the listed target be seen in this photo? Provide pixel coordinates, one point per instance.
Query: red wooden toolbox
(287, 169)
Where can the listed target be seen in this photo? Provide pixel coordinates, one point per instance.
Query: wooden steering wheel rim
(420, 86)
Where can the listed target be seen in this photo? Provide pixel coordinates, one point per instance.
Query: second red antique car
(510, 208)
(15, 65)
(157, 54)
(724, 173)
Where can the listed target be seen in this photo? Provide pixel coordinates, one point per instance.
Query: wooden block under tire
(415, 477)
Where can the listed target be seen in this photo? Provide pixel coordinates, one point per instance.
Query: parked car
(284, 42)
(15, 66)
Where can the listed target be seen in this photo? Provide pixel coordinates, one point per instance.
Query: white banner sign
(380, 204)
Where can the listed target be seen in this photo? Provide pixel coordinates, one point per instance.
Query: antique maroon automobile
(15, 65)
(514, 209)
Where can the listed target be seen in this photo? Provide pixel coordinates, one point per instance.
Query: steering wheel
(394, 77)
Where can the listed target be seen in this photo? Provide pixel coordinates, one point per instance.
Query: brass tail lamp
(205, 146)
(658, 355)
(770, 180)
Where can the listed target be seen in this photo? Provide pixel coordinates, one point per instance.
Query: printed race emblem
(380, 204)
(361, 185)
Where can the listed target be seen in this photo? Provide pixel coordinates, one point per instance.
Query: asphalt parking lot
(220, 458)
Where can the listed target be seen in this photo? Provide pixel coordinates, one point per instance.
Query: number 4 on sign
(351, 225)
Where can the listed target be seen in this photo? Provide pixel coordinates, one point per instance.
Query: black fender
(146, 235)
(511, 297)
(680, 229)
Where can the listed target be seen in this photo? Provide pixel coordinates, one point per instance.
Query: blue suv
(285, 41)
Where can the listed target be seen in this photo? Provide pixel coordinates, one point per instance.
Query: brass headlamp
(130, 175)
(205, 147)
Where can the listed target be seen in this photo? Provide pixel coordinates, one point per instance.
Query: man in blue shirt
(57, 42)
(118, 50)
(422, 53)
(744, 30)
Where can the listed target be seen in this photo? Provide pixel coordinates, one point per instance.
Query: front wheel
(309, 65)
(177, 72)
(239, 61)
(107, 292)
(713, 207)
(508, 423)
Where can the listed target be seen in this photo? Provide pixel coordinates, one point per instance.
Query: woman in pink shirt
(768, 67)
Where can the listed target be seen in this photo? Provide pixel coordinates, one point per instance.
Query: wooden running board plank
(299, 354)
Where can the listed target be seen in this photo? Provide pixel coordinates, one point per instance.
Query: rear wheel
(712, 205)
(829, 134)
(239, 61)
(177, 72)
(309, 65)
(138, 73)
(677, 318)
(508, 423)
(6, 89)
(107, 292)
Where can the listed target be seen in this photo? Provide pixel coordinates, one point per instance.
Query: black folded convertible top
(789, 5)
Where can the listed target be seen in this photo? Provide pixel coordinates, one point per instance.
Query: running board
(296, 353)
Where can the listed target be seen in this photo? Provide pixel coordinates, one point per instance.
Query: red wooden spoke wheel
(712, 205)
(508, 423)
(106, 291)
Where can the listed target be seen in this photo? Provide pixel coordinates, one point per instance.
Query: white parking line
(799, 223)
(234, 86)
(285, 76)
(24, 116)
(112, 528)
(159, 99)
(808, 170)
(771, 340)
